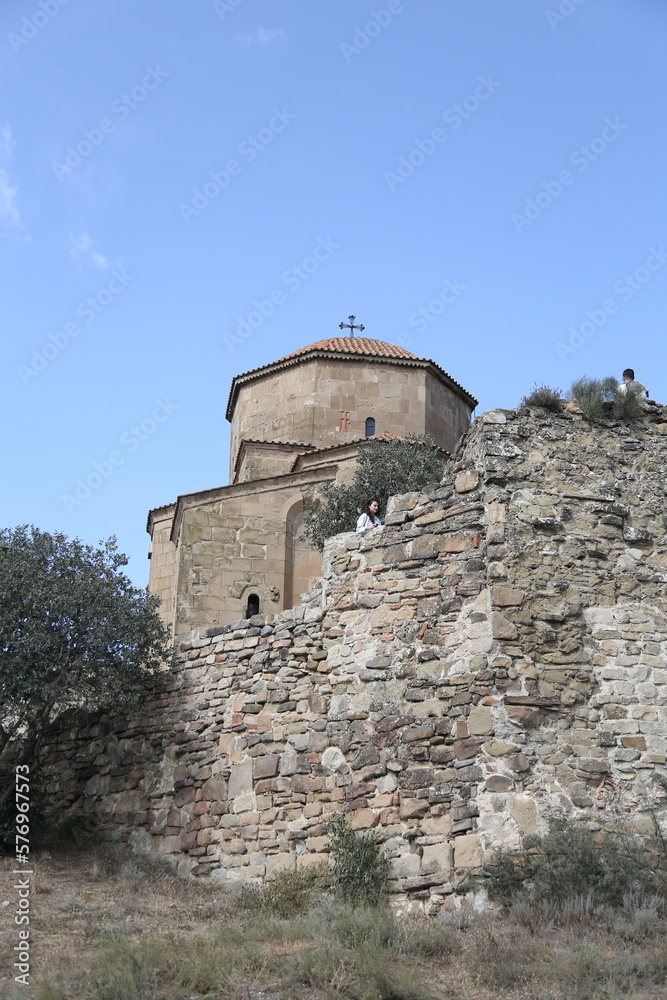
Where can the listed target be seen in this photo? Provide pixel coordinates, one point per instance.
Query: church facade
(220, 555)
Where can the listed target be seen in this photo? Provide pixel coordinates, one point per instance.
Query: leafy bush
(360, 869)
(595, 396)
(543, 395)
(383, 469)
(600, 399)
(627, 406)
(570, 864)
(290, 893)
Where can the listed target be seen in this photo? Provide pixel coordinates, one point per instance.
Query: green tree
(75, 635)
(384, 468)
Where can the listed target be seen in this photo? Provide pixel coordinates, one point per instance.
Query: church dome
(354, 349)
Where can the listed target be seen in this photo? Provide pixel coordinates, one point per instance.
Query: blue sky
(168, 170)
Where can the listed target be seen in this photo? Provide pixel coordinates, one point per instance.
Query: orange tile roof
(355, 345)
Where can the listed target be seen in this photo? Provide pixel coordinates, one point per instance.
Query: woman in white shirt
(369, 518)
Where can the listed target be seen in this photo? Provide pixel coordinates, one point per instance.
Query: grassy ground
(107, 927)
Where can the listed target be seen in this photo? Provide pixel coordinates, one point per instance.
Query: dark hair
(629, 373)
(367, 505)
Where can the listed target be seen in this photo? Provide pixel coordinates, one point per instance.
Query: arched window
(252, 608)
(370, 427)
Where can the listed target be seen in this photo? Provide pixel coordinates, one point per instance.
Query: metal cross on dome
(351, 326)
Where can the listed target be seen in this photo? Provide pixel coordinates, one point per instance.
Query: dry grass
(108, 927)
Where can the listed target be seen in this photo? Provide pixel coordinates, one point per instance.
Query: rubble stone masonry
(493, 657)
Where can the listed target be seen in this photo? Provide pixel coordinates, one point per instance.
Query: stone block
(413, 808)
(501, 628)
(499, 783)
(436, 826)
(506, 596)
(432, 518)
(285, 861)
(435, 858)
(454, 545)
(184, 796)
(523, 811)
(317, 844)
(468, 851)
(634, 742)
(364, 819)
(404, 866)
(333, 758)
(466, 481)
(497, 748)
(240, 778)
(266, 766)
(213, 789)
(480, 721)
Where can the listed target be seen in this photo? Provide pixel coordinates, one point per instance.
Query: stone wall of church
(240, 543)
(494, 657)
(304, 404)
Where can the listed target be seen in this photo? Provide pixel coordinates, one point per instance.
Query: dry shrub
(291, 892)
(544, 396)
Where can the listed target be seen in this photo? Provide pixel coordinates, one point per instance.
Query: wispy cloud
(9, 213)
(261, 36)
(81, 248)
(7, 141)
(8, 210)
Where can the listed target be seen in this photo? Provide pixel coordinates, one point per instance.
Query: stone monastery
(494, 657)
(233, 551)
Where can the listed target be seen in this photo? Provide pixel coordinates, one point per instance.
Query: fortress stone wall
(492, 658)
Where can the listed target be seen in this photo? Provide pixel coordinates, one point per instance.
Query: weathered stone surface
(265, 767)
(333, 758)
(497, 748)
(506, 596)
(412, 808)
(466, 481)
(240, 779)
(404, 866)
(402, 695)
(523, 811)
(480, 721)
(499, 783)
(501, 628)
(468, 851)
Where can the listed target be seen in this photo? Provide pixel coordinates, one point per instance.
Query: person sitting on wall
(629, 384)
(369, 519)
